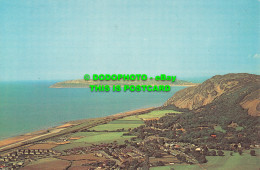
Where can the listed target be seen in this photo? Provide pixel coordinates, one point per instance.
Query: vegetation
(104, 138)
(85, 84)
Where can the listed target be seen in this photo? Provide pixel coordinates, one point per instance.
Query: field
(114, 127)
(48, 163)
(42, 146)
(89, 156)
(119, 124)
(135, 117)
(105, 138)
(61, 148)
(89, 138)
(131, 121)
(103, 132)
(245, 161)
(156, 114)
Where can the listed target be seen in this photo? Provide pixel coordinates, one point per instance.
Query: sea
(31, 105)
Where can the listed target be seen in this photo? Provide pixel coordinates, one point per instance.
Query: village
(136, 141)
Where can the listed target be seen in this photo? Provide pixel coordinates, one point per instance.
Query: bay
(31, 105)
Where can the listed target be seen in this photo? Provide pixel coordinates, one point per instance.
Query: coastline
(187, 85)
(66, 127)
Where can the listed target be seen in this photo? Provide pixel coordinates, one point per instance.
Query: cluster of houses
(110, 151)
(20, 157)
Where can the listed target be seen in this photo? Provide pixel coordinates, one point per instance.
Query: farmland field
(61, 148)
(238, 162)
(120, 121)
(105, 138)
(48, 163)
(135, 117)
(114, 127)
(156, 114)
(42, 146)
(89, 156)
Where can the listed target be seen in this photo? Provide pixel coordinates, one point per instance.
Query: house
(198, 149)
(214, 136)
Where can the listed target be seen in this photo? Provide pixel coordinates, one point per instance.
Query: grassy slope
(156, 114)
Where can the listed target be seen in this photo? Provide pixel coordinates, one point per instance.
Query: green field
(126, 123)
(93, 138)
(135, 117)
(131, 121)
(227, 162)
(114, 127)
(104, 137)
(61, 148)
(156, 114)
(80, 134)
(120, 121)
(178, 167)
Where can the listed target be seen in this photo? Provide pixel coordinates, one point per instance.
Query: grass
(104, 138)
(93, 138)
(177, 167)
(44, 160)
(78, 134)
(114, 127)
(61, 148)
(156, 114)
(219, 128)
(131, 121)
(135, 117)
(238, 162)
(126, 122)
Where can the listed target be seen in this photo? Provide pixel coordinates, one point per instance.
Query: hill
(221, 91)
(80, 83)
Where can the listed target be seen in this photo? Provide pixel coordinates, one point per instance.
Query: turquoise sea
(30, 106)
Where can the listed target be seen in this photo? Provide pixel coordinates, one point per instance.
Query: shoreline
(66, 127)
(187, 85)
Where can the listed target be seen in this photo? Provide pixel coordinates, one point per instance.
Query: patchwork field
(105, 138)
(238, 162)
(89, 138)
(156, 114)
(47, 163)
(115, 125)
(89, 156)
(42, 146)
(135, 117)
(103, 132)
(61, 148)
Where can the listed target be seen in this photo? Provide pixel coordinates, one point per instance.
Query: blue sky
(58, 40)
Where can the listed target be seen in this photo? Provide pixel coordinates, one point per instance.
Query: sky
(60, 40)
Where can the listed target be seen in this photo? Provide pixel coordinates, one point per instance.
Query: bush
(220, 153)
(252, 153)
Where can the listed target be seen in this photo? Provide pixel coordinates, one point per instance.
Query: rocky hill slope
(220, 93)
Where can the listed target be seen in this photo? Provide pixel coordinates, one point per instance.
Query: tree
(160, 163)
(220, 153)
(213, 153)
(252, 153)
(202, 159)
